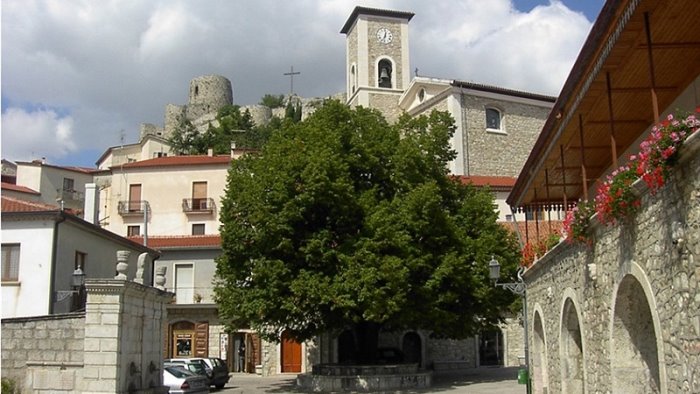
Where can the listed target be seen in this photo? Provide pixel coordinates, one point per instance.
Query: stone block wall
(113, 347)
(623, 314)
(503, 154)
(45, 353)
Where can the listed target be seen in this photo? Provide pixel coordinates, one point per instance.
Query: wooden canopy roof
(639, 56)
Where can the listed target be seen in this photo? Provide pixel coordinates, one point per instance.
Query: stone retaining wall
(623, 314)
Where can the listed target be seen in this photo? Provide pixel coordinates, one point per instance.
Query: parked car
(181, 381)
(194, 365)
(219, 371)
(202, 366)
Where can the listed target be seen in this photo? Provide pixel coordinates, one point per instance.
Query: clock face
(384, 35)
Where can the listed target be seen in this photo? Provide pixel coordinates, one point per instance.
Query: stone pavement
(477, 381)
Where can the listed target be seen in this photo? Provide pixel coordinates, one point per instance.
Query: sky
(80, 76)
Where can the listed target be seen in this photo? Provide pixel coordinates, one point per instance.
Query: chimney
(210, 152)
(233, 150)
(92, 200)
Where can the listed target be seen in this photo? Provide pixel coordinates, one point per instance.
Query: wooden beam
(613, 144)
(619, 121)
(652, 73)
(584, 183)
(563, 172)
(672, 45)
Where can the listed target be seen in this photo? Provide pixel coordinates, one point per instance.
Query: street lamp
(520, 289)
(77, 282)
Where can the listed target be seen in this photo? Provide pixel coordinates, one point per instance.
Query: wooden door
(291, 354)
(134, 198)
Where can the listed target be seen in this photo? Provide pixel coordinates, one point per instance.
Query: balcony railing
(132, 208)
(198, 205)
(71, 195)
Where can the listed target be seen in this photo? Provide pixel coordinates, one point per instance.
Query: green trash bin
(522, 376)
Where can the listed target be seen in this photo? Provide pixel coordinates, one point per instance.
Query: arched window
(493, 119)
(384, 73)
(353, 78)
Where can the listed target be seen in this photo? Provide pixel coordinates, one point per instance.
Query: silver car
(181, 381)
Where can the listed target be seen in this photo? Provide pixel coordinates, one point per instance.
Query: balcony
(132, 208)
(71, 195)
(198, 205)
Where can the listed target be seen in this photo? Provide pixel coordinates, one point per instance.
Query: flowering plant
(659, 150)
(614, 198)
(576, 222)
(537, 248)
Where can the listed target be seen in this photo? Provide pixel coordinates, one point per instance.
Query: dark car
(219, 371)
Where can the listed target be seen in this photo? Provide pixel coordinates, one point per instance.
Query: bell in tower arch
(384, 74)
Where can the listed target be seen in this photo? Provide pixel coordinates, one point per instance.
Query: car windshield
(178, 372)
(196, 367)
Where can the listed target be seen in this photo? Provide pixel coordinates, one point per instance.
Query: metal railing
(198, 205)
(137, 207)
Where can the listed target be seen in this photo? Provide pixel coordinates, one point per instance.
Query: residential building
(42, 246)
(62, 186)
(620, 312)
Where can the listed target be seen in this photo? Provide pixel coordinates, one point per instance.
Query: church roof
(509, 92)
(375, 12)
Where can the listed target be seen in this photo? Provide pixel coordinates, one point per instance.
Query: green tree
(185, 139)
(272, 101)
(233, 126)
(346, 222)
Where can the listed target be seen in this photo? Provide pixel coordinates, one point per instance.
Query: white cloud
(116, 64)
(31, 135)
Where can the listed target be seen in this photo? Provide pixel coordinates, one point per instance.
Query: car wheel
(220, 386)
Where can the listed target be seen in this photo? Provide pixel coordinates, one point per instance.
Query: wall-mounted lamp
(77, 282)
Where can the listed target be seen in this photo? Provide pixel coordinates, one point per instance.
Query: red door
(291, 354)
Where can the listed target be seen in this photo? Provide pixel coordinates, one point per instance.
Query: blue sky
(77, 76)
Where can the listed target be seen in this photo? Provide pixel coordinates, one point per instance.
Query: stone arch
(492, 347)
(572, 360)
(635, 344)
(386, 77)
(346, 347)
(539, 369)
(412, 347)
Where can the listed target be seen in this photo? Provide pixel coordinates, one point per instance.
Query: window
(160, 154)
(80, 260)
(68, 184)
(10, 262)
(184, 280)
(493, 119)
(421, 95)
(133, 231)
(198, 229)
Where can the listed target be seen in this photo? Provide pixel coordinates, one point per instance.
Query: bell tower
(377, 68)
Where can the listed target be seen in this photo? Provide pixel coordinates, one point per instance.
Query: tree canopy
(343, 220)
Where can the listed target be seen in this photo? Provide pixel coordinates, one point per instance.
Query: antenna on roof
(122, 136)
